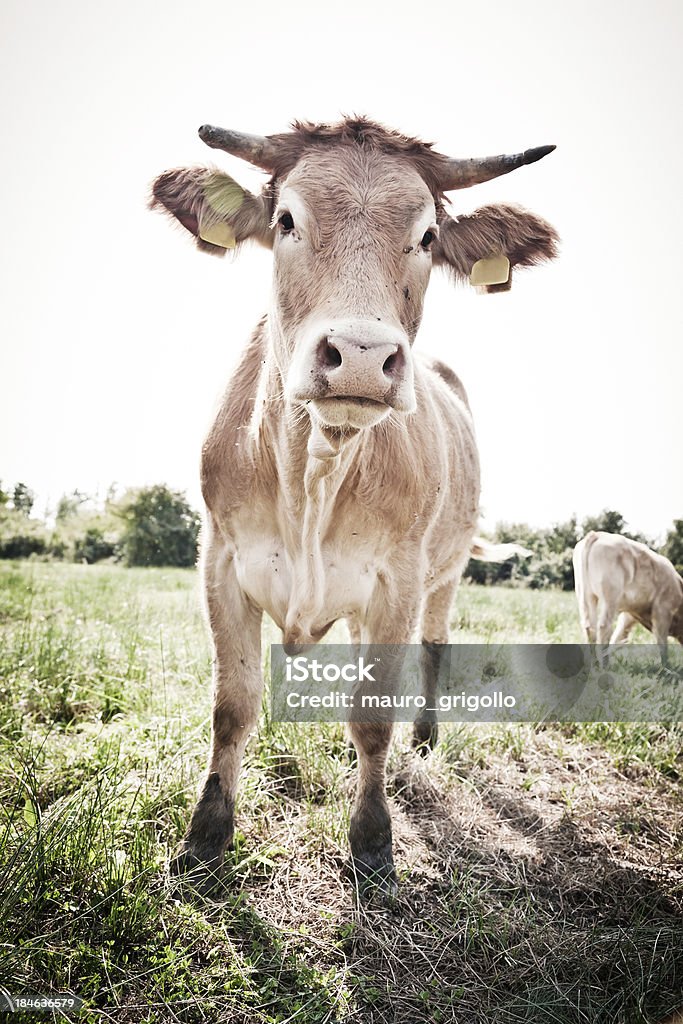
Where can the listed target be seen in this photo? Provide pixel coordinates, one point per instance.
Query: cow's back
(448, 376)
(448, 439)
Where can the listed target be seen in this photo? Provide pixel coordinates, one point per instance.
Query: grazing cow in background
(616, 575)
(341, 476)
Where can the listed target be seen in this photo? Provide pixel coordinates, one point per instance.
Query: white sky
(117, 336)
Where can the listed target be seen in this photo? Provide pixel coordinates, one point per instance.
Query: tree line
(157, 526)
(144, 526)
(550, 562)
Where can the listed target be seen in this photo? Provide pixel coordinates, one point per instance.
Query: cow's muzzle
(353, 371)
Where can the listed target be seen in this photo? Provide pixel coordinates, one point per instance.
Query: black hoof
(373, 871)
(199, 859)
(198, 870)
(425, 736)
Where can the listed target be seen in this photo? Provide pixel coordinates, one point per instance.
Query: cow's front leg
(390, 622)
(237, 686)
(370, 831)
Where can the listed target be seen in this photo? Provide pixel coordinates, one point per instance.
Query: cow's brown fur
(360, 133)
(181, 194)
(371, 519)
(525, 239)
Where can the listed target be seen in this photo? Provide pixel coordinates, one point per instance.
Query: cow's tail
(484, 551)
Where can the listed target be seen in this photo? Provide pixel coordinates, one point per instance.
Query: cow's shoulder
(227, 466)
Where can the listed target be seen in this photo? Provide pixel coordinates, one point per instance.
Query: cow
(341, 475)
(614, 574)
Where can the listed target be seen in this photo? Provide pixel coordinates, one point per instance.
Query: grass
(541, 874)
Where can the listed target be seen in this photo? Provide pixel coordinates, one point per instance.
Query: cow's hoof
(425, 736)
(374, 873)
(198, 870)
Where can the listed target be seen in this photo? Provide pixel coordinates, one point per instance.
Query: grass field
(540, 869)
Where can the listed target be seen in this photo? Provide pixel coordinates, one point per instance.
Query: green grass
(540, 869)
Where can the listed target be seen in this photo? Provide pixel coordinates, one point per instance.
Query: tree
(608, 521)
(673, 545)
(23, 499)
(563, 537)
(160, 528)
(69, 504)
(4, 496)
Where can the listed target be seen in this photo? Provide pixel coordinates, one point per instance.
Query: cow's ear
(213, 207)
(494, 231)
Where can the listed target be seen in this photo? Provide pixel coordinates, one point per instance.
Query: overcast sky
(117, 335)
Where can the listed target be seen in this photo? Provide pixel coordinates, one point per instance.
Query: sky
(117, 336)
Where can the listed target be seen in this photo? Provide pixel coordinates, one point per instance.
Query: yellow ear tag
(218, 233)
(222, 198)
(494, 270)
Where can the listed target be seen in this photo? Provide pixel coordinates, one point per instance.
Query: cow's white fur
(615, 575)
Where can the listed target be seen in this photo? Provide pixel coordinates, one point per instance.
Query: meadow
(540, 868)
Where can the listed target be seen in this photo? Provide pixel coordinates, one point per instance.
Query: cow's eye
(427, 239)
(286, 222)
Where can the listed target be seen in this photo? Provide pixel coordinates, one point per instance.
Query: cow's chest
(338, 584)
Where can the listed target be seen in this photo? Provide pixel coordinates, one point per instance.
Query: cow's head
(355, 216)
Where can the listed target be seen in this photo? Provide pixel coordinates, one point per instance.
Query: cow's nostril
(329, 354)
(390, 364)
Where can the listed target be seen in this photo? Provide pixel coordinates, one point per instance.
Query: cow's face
(355, 218)
(353, 236)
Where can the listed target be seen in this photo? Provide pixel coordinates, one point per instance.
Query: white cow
(616, 575)
(341, 475)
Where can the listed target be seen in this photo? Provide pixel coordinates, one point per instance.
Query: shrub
(20, 536)
(160, 528)
(554, 570)
(93, 546)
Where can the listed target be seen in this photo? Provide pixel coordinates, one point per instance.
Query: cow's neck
(312, 463)
(327, 464)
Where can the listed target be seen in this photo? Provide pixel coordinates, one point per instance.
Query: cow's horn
(463, 173)
(257, 149)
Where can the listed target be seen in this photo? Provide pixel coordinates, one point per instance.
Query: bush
(83, 532)
(20, 536)
(93, 546)
(160, 528)
(22, 545)
(555, 570)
